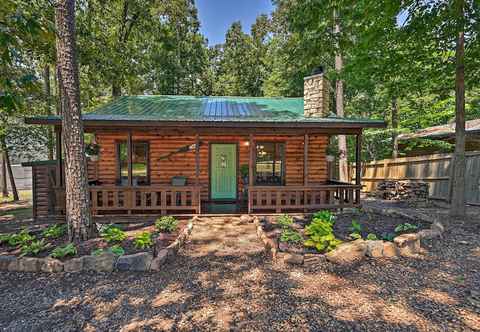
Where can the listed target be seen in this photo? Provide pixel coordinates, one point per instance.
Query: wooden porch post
(358, 166)
(305, 170)
(58, 154)
(130, 171)
(251, 160)
(197, 172)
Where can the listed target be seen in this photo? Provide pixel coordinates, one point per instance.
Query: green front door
(223, 171)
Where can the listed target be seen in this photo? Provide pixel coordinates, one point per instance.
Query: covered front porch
(301, 184)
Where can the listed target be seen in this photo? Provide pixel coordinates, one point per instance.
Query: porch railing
(304, 198)
(138, 199)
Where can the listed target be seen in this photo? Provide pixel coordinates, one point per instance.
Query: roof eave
(225, 124)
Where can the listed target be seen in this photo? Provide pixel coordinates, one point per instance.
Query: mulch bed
(87, 247)
(377, 224)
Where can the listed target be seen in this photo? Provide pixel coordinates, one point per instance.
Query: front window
(140, 165)
(270, 163)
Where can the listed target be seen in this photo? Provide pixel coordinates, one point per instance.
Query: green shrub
(388, 236)
(143, 240)
(290, 236)
(372, 237)
(285, 221)
(325, 216)
(63, 251)
(405, 227)
(116, 250)
(33, 248)
(355, 236)
(54, 231)
(166, 224)
(22, 238)
(112, 233)
(321, 237)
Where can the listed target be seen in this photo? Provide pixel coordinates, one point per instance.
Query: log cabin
(199, 155)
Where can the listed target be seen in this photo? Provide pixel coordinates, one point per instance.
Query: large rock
(135, 262)
(159, 261)
(374, 248)
(293, 259)
(105, 262)
(429, 234)
(348, 253)
(408, 244)
(88, 263)
(29, 264)
(73, 265)
(389, 249)
(5, 262)
(51, 265)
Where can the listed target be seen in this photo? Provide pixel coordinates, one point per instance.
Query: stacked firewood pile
(415, 193)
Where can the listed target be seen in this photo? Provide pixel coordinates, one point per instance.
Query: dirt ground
(223, 281)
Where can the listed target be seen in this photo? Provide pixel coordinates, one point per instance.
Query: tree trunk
(342, 139)
(394, 127)
(48, 104)
(457, 179)
(3, 180)
(6, 159)
(78, 216)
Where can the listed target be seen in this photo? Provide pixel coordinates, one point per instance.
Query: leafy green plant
(372, 237)
(388, 236)
(33, 248)
(112, 233)
(355, 236)
(405, 227)
(21, 238)
(116, 250)
(325, 216)
(290, 236)
(166, 224)
(54, 231)
(356, 229)
(63, 251)
(143, 240)
(321, 235)
(285, 221)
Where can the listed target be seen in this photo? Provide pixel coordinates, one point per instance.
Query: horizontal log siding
(183, 164)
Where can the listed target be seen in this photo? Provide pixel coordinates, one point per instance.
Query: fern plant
(166, 224)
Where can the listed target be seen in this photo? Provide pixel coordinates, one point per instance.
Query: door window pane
(140, 171)
(269, 164)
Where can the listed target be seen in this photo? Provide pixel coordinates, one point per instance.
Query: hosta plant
(166, 224)
(63, 251)
(54, 231)
(21, 238)
(356, 229)
(143, 240)
(320, 235)
(325, 216)
(116, 250)
(34, 248)
(372, 237)
(111, 233)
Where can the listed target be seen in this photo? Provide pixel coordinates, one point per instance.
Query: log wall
(183, 164)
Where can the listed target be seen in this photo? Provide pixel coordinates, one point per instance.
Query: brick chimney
(315, 95)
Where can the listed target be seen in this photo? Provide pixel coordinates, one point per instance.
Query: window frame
(282, 159)
(129, 162)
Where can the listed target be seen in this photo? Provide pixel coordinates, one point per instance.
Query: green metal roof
(206, 109)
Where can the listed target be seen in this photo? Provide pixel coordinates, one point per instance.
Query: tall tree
(78, 216)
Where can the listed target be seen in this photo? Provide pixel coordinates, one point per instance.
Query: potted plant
(331, 152)
(92, 151)
(244, 173)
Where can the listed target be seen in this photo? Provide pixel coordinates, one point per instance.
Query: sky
(216, 16)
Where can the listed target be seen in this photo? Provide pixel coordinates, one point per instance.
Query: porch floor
(224, 208)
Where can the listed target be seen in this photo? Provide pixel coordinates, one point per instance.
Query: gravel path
(226, 283)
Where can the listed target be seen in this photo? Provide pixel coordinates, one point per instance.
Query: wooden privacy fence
(433, 169)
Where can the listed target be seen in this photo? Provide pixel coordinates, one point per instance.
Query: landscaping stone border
(354, 251)
(106, 262)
